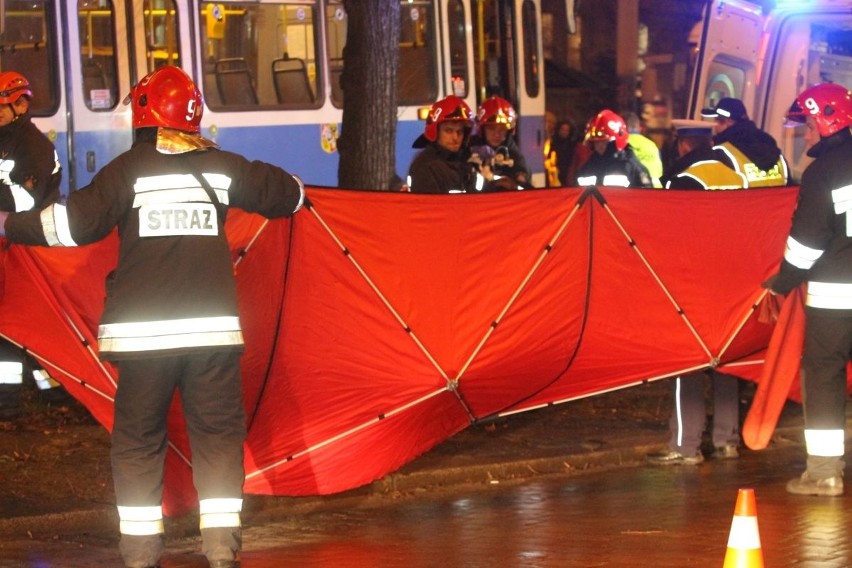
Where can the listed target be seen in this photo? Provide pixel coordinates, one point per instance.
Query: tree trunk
(369, 81)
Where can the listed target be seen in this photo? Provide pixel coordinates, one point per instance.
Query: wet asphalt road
(629, 517)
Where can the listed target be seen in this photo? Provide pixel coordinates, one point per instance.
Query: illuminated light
(423, 113)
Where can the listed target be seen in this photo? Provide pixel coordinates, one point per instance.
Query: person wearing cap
(170, 320)
(751, 152)
(697, 168)
(818, 253)
(29, 179)
(698, 165)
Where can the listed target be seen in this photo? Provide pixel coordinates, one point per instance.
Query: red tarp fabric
(379, 324)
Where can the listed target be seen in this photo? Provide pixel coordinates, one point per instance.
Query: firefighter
(819, 252)
(445, 164)
(29, 178)
(496, 121)
(612, 163)
(750, 151)
(170, 319)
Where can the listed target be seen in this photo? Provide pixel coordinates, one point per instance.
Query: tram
(269, 71)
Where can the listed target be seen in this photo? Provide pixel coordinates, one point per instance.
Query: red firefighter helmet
(829, 104)
(13, 86)
(448, 109)
(608, 126)
(167, 97)
(496, 110)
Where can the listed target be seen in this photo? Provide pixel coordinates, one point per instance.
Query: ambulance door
(806, 44)
(728, 55)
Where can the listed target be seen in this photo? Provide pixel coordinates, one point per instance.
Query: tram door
(507, 63)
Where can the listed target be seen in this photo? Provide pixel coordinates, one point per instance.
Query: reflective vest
(754, 176)
(712, 175)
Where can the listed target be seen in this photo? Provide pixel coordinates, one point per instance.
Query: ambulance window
(260, 56)
(532, 73)
(458, 48)
(27, 45)
(417, 66)
(97, 54)
(161, 34)
(724, 80)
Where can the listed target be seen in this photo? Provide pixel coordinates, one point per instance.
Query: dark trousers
(211, 393)
(828, 343)
(689, 415)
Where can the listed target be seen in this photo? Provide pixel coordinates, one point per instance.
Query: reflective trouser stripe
(11, 373)
(44, 381)
(140, 521)
(825, 443)
(218, 513)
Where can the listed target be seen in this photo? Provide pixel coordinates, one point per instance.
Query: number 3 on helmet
(167, 97)
(829, 104)
(448, 109)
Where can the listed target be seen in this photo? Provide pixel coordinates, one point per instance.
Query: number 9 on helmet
(829, 104)
(168, 98)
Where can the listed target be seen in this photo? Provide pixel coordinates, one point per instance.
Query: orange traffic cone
(744, 541)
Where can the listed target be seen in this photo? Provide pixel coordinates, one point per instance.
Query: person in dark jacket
(29, 179)
(170, 320)
(494, 143)
(819, 252)
(613, 163)
(740, 144)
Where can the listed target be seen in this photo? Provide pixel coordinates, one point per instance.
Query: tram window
(417, 71)
(458, 48)
(161, 34)
(260, 56)
(492, 65)
(532, 73)
(27, 46)
(97, 54)
(417, 66)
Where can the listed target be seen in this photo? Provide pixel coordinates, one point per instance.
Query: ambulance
(767, 53)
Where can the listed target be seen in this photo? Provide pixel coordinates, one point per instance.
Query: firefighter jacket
(819, 248)
(508, 161)
(173, 290)
(699, 169)
(614, 168)
(29, 167)
(752, 153)
(437, 170)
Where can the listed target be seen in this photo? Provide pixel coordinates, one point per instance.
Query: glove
(769, 282)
